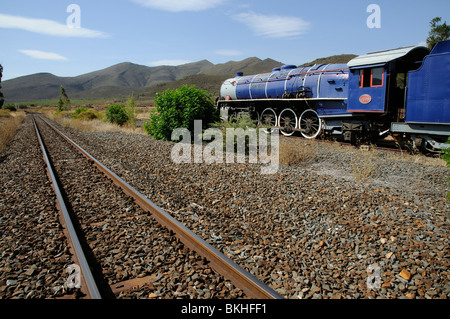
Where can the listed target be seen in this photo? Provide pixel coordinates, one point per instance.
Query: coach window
(371, 77)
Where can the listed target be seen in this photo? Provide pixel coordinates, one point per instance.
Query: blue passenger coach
(403, 93)
(427, 106)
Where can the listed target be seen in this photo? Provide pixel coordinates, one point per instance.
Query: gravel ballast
(34, 253)
(313, 230)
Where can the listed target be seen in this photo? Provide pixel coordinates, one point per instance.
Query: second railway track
(130, 253)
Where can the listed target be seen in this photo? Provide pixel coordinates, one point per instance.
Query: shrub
(85, 114)
(446, 157)
(446, 153)
(179, 109)
(90, 115)
(297, 152)
(117, 114)
(5, 113)
(131, 111)
(243, 122)
(11, 107)
(364, 166)
(78, 111)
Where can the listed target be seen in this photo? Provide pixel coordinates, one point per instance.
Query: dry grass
(143, 112)
(5, 113)
(364, 166)
(417, 158)
(9, 123)
(92, 125)
(297, 151)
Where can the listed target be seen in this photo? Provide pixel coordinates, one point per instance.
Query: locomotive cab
(377, 88)
(377, 80)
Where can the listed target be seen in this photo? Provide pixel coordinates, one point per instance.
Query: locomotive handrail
(293, 75)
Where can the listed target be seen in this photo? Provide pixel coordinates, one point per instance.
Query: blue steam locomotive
(402, 93)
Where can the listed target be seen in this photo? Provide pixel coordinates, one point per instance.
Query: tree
(2, 100)
(64, 102)
(438, 32)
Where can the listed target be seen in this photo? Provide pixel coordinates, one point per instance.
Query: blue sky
(35, 36)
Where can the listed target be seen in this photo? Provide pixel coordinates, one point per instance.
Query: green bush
(179, 109)
(117, 114)
(85, 114)
(78, 111)
(11, 107)
(243, 122)
(131, 111)
(446, 157)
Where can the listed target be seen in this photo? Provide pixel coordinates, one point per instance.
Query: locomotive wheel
(268, 118)
(287, 122)
(310, 124)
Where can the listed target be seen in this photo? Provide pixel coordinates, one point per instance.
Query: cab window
(371, 77)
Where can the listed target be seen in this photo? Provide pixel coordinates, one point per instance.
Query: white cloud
(180, 5)
(273, 26)
(169, 62)
(227, 52)
(41, 55)
(47, 27)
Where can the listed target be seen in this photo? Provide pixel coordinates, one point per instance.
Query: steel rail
(80, 256)
(241, 278)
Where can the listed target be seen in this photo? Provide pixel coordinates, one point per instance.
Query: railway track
(123, 242)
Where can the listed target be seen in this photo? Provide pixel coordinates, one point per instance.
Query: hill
(209, 83)
(212, 80)
(117, 80)
(122, 79)
(335, 59)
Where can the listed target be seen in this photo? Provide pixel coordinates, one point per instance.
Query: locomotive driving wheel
(287, 122)
(310, 124)
(268, 118)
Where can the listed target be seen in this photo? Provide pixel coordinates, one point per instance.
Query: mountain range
(120, 80)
